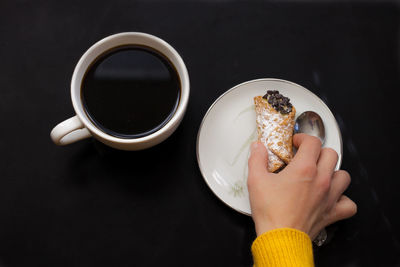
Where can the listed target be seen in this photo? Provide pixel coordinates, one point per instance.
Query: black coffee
(131, 91)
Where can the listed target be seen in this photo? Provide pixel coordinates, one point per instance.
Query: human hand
(307, 195)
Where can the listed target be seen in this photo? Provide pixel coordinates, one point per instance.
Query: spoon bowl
(310, 123)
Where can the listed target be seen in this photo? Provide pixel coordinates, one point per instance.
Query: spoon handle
(321, 238)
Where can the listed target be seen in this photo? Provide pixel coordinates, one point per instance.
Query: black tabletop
(89, 205)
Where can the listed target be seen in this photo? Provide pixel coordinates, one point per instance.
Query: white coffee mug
(80, 126)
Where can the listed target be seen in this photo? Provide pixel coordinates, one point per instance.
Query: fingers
(340, 181)
(258, 158)
(258, 161)
(326, 166)
(309, 147)
(344, 208)
(327, 161)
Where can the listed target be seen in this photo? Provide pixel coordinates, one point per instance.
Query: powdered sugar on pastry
(275, 131)
(267, 122)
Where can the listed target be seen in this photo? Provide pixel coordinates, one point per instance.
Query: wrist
(262, 228)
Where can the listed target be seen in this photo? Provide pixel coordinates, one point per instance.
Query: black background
(88, 205)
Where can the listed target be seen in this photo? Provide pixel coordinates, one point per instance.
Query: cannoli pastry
(275, 123)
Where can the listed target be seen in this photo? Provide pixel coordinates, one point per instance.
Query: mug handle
(69, 131)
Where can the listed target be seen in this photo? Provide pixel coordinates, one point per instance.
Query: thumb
(258, 160)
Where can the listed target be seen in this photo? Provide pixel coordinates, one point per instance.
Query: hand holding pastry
(307, 195)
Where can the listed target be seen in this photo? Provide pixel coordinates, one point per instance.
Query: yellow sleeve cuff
(283, 247)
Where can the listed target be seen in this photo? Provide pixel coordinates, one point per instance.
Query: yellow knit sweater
(284, 247)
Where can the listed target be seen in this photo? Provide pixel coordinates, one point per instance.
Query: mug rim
(178, 64)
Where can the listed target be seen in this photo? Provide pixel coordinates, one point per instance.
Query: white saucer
(229, 127)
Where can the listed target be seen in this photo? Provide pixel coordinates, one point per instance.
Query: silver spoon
(311, 123)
